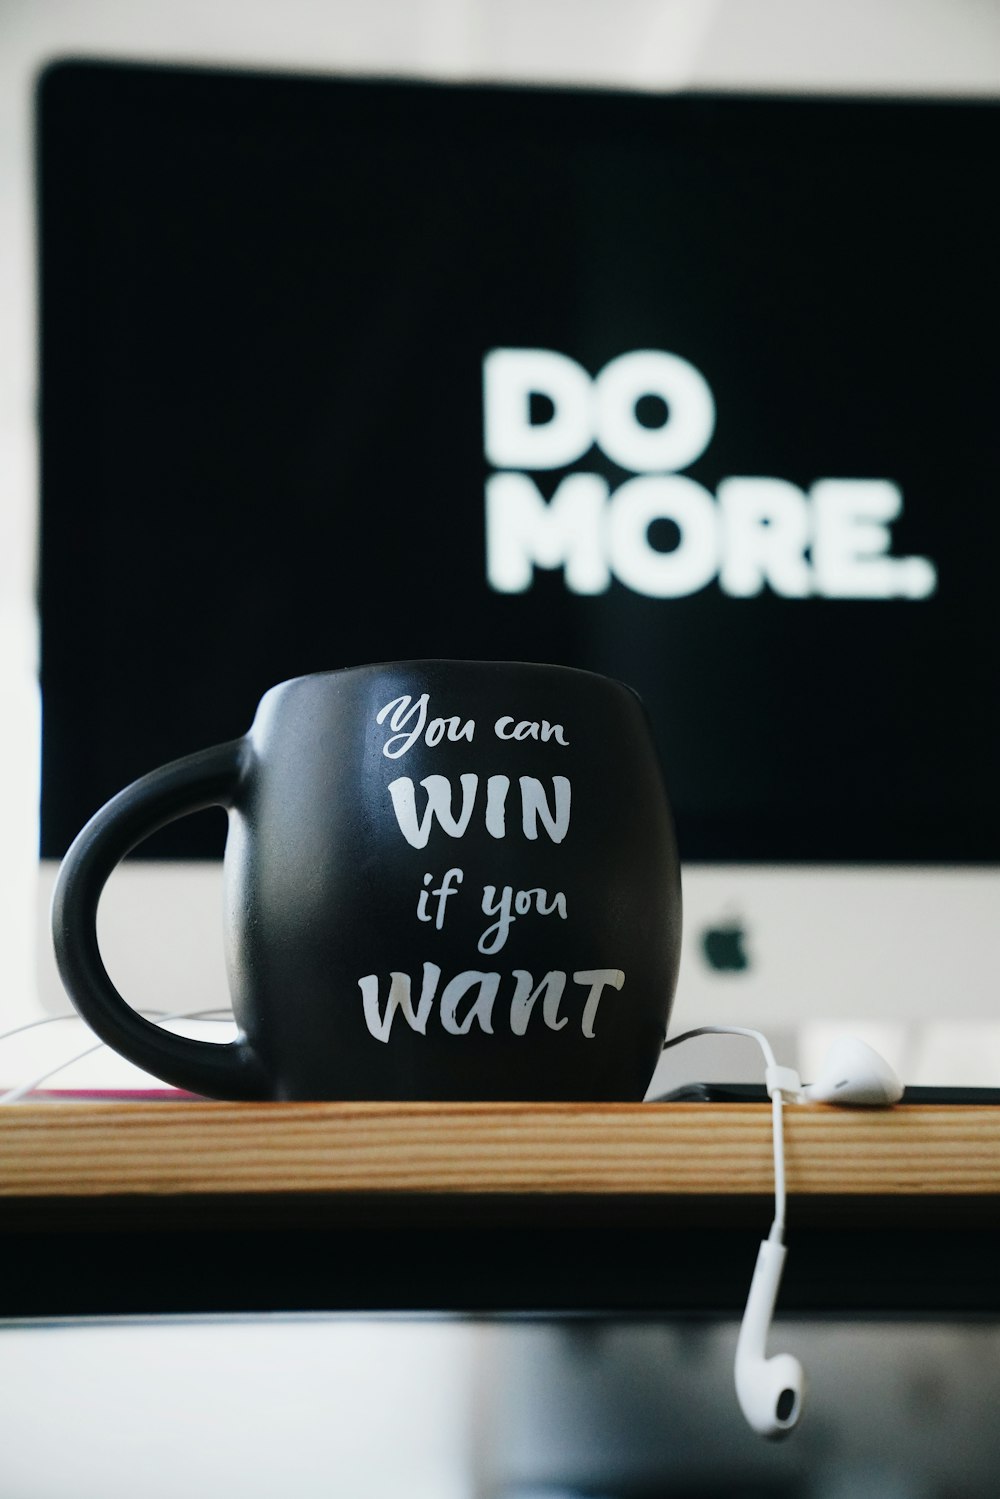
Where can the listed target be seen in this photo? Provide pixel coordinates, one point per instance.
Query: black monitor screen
(699, 392)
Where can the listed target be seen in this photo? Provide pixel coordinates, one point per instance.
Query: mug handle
(208, 778)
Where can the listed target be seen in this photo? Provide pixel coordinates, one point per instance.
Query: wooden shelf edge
(92, 1150)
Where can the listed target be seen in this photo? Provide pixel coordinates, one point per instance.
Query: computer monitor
(696, 391)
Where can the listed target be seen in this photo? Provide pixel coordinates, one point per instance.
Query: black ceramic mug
(443, 880)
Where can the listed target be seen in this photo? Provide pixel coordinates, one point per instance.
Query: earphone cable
(777, 1232)
(23, 1090)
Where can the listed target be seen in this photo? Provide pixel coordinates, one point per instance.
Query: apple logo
(724, 947)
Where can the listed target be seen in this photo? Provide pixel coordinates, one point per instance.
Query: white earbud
(769, 1390)
(852, 1073)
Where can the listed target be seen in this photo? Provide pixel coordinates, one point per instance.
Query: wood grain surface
(219, 1149)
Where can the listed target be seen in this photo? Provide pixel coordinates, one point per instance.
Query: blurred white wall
(256, 1409)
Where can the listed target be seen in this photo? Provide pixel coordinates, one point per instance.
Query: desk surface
(220, 1150)
(492, 1208)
